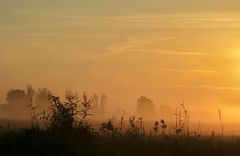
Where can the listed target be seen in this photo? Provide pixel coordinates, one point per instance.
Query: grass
(60, 132)
(36, 142)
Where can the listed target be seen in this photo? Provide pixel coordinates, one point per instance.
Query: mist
(15, 111)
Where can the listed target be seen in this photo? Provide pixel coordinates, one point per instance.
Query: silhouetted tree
(19, 101)
(42, 97)
(103, 102)
(16, 96)
(86, 104)
(95, 102)
(63, 113)
(145, 107)
(98, 105)
(30, 92)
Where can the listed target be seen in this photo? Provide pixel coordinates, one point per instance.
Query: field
(65, 129)
(77, 141)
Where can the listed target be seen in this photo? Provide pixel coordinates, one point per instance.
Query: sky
(167, 50)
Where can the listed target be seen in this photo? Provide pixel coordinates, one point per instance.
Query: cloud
(137, 45)
(74, 18)
(173, 52)
(134, 44)
(209, 87)
(191, 70)
(124, 45)
(117, 48)
(183, 21)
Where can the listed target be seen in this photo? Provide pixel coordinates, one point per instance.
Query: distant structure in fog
(18, 101)
(42, 97)
(16, 96)
(98, 105)
(146, 107)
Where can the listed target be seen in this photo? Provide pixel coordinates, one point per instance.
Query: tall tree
(146, 107)
(42, 97)
(16, 96)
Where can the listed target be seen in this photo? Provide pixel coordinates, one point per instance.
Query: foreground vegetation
(64, 129)
(35, 142)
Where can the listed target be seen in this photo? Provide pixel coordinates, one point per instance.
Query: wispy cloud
(136, 45)
(191, 70)
(73, 18)
(194, 20)
(124, 45)
(209, 87)
(173, 52)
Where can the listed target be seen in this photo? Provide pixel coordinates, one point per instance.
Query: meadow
(64, 129)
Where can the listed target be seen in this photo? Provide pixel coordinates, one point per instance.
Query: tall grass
(64, 129)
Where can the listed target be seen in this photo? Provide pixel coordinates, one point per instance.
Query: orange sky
(167, 51)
